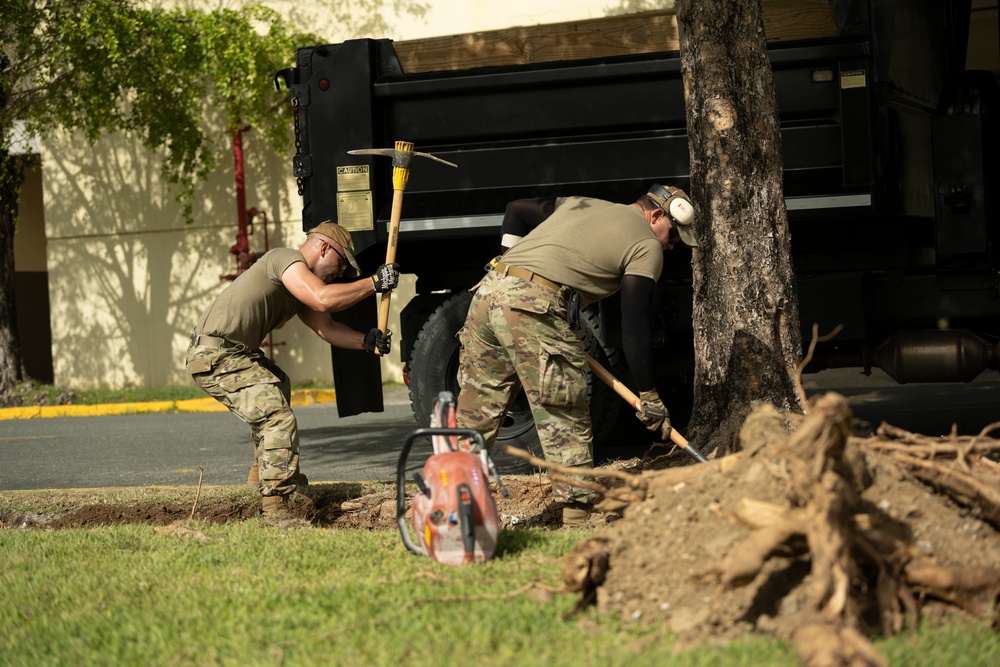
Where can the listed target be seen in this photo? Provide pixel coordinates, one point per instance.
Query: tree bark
(747, 338)
(11, 176)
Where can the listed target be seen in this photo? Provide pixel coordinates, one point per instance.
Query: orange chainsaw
(454, 513)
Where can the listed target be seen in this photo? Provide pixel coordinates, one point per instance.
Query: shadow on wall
(128, 278)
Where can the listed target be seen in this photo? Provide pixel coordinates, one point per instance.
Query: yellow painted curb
(207, 404)
(313, 396)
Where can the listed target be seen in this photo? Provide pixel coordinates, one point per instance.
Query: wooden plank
(651, 32)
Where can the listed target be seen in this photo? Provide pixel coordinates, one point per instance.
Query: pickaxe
(401, 156)
(633, 400)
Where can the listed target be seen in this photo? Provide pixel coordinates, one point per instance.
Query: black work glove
(376, 340)
(653, 414)
(386, 278)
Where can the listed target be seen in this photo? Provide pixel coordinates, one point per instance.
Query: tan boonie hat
(678, 206)
(337, 233)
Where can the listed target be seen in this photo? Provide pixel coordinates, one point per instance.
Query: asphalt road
(167, 449)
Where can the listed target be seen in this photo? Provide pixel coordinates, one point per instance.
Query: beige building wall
(128, 279)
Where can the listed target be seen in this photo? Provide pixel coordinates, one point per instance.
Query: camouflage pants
(516, 332)
(259, 393)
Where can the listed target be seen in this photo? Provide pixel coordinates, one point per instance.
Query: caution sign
(354, 211)
(852, 78)
(354, 198)
(353, 178)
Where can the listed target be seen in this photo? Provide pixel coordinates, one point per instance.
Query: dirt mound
(664, 543)
(843, 543)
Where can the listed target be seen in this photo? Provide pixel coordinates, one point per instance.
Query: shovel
(633, 400)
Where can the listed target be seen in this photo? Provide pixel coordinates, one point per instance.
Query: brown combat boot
(271, 504)
(576, 515)
(253, 477)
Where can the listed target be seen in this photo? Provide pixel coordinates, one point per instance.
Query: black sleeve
(523, 215)
(637, 295)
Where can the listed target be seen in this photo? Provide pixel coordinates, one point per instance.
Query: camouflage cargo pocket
(235, 373)
(200, 365)
(560, 382)
(531, 304)
(529, 297)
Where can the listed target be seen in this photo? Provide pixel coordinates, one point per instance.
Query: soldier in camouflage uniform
(225, 359)
(518, 328)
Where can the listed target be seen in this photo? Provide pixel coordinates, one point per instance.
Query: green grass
(31, 393)
(126, 395)
(261, 593)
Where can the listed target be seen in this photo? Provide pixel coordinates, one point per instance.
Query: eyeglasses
(675, 236)
(343, 260)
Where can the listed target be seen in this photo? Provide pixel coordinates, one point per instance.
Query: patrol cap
(337, 233)
(677, 204)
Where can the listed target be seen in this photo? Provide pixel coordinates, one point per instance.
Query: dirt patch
(337, 505)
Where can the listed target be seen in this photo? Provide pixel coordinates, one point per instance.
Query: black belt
(518, 272)
(210, 341)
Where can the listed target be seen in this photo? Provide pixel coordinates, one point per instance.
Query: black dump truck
(890, 179)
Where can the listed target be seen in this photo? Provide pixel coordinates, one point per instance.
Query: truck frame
(890, 174)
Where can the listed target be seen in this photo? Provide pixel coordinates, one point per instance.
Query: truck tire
(434, 368)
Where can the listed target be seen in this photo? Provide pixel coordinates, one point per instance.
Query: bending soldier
(518, 329)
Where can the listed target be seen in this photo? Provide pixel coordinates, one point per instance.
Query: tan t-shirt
(589, 245)
(256, 303)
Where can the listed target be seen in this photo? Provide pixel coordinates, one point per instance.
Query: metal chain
(298, 141)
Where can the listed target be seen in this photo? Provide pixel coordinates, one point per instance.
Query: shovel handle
(626, 393)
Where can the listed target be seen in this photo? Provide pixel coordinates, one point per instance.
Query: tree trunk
(11, 176)
(747, 339)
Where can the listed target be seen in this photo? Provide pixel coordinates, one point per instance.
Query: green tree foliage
(102, 66)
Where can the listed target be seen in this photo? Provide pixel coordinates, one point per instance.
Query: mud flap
(364, 370)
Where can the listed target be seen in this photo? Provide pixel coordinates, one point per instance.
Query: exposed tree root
(956, 465)
(865, 577)
(830, 644)
(584, 570)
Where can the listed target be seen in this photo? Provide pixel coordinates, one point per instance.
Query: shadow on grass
(512, 542)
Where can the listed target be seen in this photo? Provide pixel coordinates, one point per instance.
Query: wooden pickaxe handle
(633, 400)
(400, 177)
(401, 156)
(390, 255)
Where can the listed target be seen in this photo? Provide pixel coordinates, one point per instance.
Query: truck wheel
(434, 368)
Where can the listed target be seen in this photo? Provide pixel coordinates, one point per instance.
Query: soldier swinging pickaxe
(401, 156)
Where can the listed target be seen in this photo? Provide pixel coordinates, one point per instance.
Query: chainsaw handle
(401, 474)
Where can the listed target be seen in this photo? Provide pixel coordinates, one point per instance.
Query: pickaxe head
(401, 156)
